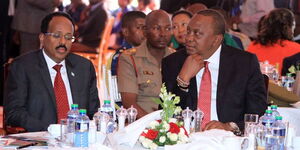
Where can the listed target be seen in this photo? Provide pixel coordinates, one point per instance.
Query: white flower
(153, 124)
(166, 126)
(177, 110)
(169, 134)
(173, 137)
(180, 135)
(174, 120)
(176, 100)
(146, 143)
(162, 139)
(153, 146)
(142, 139)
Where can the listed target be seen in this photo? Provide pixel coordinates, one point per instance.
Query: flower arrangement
(168, 130)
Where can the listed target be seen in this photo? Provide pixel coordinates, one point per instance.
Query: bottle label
(81, 127)
(279, 132)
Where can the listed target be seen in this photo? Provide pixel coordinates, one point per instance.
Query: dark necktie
(60, 91)
(204, 98)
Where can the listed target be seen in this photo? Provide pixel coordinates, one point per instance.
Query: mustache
(61, 46)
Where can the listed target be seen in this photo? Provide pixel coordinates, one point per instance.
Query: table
(292, 115)
(280, 96)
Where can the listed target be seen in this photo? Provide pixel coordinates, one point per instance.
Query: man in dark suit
(236, 85)
(37, 94)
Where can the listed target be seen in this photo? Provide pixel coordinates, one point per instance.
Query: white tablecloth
(292, 115)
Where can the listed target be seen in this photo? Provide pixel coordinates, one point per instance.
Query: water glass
(66, 135)
(250, 121)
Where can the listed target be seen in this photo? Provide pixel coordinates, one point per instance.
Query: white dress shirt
(64, 75)
(213, 66)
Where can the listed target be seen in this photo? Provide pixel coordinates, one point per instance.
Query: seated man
(42, 85)
(139, 76)
(222, 81)
(133, 23)
(90, 29)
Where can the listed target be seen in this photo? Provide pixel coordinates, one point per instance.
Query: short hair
(189, 14)
(48, 18)
(130, 16)
(277, 25)
(219, 25)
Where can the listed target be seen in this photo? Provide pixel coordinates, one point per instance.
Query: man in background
(27, 21)
(139, 76)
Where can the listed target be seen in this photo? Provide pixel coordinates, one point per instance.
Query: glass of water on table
(250, 121)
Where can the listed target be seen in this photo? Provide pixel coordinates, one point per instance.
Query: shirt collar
(215, 57)
(50, 62)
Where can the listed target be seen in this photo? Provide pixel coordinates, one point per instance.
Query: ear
(125, 32)
(42, 38)
(218, 39)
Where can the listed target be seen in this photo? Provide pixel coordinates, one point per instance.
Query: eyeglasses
(68, 37)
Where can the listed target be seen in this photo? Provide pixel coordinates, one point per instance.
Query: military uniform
(140, 73)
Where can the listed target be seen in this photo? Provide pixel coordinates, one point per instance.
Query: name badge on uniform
(148, 73)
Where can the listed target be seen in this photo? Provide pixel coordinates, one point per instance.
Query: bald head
(158, 29)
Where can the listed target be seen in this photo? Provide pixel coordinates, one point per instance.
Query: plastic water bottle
(72, 116)
(274, 111)
(106, 108)
(289, 82)
(278, 131)
(267, 119)
(82, 129)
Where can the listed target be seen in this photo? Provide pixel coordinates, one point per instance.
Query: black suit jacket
(288, 62)
(240, 88)
(29, 96)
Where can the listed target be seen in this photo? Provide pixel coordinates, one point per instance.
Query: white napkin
(130, 134)
(208, 140)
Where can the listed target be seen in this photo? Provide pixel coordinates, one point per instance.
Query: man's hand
(191, 67)
(217, 125)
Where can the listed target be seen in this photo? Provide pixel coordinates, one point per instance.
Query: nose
(62, 40)
(188, 38)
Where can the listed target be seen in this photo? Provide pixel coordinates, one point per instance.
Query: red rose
(151, 134)
(174, 128)
(159, 121)
(143, 134)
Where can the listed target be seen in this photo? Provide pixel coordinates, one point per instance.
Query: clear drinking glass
(66, 137)
(250, 121)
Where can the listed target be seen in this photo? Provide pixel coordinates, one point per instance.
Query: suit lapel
(44, 71)
(72, 76)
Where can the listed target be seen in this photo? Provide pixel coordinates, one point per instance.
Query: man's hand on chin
(217, 125)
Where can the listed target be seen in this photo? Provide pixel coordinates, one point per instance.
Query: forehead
(181, 16)
(160, 20)
(199, 21)
(139, 21)
(59, 23)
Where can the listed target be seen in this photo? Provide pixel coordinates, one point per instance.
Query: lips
(61, 50)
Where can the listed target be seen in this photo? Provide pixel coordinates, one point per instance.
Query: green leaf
(157, 101)
(292, 69)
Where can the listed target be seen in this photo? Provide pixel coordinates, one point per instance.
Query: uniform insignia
(129, 51)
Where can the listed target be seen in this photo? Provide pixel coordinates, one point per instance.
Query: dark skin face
(158, 30)
(134, 34)
(201, 38)
(57, 48)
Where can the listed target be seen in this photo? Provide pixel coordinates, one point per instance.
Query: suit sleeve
(256, 95)
(94, 101)
(15, 100)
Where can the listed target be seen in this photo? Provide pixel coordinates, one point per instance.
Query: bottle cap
(273, 106)
(106, 101)
(278, 117)
(82, 111)
(269, 111)
(74, 106)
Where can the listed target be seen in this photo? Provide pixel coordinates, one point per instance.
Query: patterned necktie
(204, 98)
(62, 103)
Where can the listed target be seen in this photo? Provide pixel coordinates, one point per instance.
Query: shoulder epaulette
(129, 51)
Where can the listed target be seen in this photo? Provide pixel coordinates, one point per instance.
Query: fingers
(214, 125)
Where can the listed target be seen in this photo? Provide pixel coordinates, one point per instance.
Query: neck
(155, 52)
